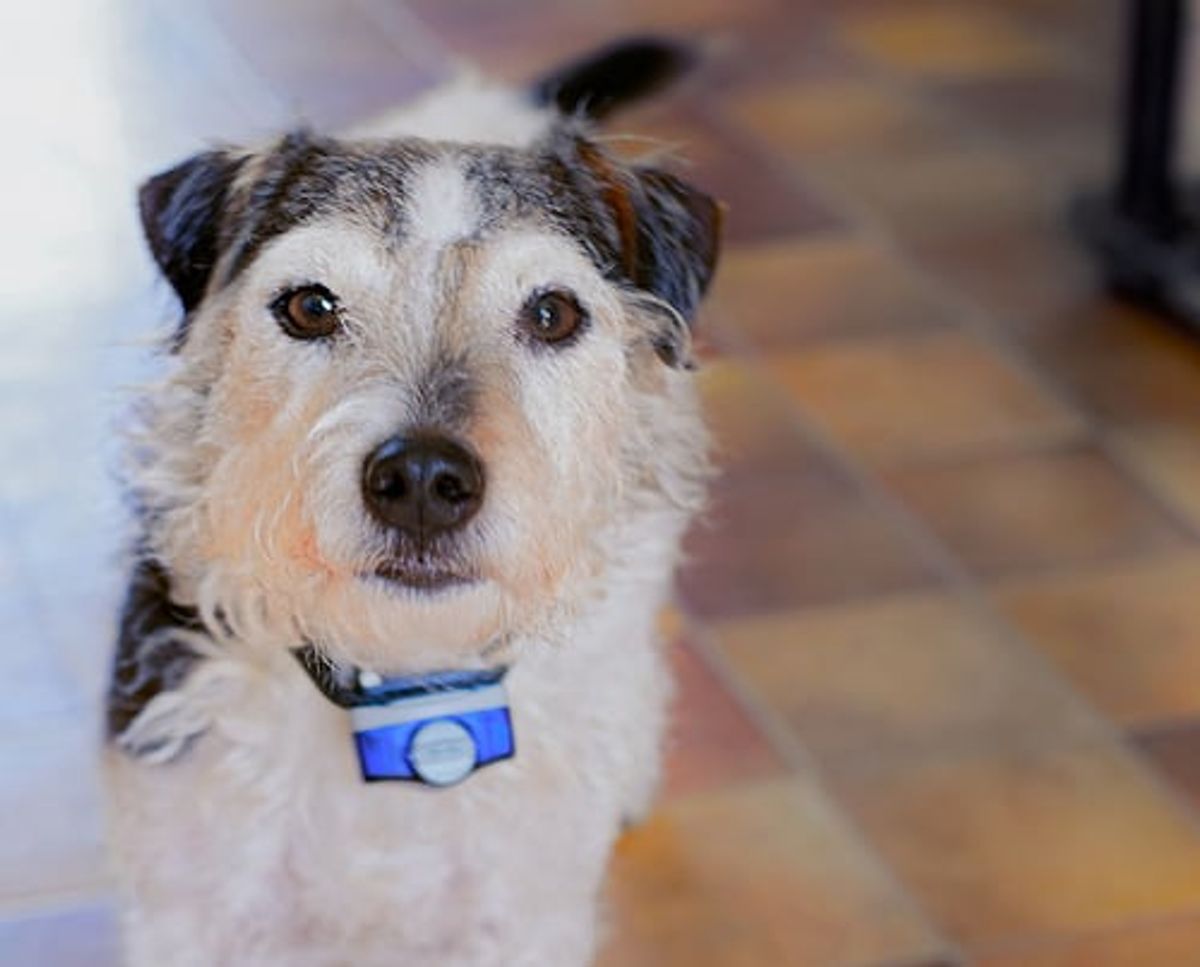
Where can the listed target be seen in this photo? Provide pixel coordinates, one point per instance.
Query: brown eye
(553, 317)
(309, 312)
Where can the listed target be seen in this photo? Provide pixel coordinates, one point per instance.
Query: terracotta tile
(1016, 274)
(1173, 940)
(68, 938)
(1007, 512)
(1168, 459)
(794, 540)
(762, 201)
(785, 293)
(998, 847)
(1094, 28)
(765, 874)
(793, 45)
(784, 526)
(942, 40)
(51, 782)
(1126, 365)
(711, 742)
(1175, 751)
(929, 395)
(752, 424)
(889, 679)
(1022, 107)
(671, 623)
(939, 190)
(1128, 636)
(834, 117)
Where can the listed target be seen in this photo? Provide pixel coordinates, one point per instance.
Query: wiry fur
(244, 832)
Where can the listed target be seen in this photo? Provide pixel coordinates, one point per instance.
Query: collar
(435, 728)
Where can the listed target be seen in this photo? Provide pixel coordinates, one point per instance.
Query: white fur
(467, 110)
(443, 208)
(260, 845)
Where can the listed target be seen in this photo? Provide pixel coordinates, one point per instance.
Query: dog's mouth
(422, 575)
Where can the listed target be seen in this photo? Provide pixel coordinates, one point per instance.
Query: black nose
(422, 484)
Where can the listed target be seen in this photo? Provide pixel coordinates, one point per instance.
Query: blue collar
(435, 728)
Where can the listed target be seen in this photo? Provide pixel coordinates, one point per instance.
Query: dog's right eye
(309, 312)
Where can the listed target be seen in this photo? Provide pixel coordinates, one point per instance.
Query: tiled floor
(939, 642)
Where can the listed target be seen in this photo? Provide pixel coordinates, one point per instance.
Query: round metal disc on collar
(442, 752)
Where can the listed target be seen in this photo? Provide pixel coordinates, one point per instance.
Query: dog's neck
(352, 687)
(435, 728)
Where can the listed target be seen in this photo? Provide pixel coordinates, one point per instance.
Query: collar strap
(435, 728)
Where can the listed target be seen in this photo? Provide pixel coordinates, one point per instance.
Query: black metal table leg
(1146, 191)
(1141, 232)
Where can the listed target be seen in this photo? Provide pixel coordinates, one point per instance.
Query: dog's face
(417, 381)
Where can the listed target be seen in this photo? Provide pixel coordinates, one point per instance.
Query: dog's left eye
(553, 317)
(309, 312)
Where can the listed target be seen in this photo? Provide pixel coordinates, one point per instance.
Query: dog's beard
(357, 616)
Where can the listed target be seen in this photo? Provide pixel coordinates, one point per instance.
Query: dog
(387, 682)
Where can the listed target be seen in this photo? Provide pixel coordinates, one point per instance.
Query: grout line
(799, 761)
(946, 565)
(1164, 726)
(983, 322)
(1063, 942)
(922, 89)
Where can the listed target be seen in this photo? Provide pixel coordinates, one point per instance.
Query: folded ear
(181, 213)
(675, 240)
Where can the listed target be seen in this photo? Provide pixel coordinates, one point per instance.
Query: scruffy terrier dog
(387, 683)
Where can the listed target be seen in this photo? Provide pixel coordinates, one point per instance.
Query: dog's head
(418, 381)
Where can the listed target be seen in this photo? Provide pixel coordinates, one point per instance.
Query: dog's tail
(605, 80)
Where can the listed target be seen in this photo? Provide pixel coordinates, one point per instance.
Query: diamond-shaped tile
(711, 742)
(890, 679)
(1127, 636)
(764, 874)
(783, 294)
(999, 847)
(1008, 512)
(891, 399)
(946, 40)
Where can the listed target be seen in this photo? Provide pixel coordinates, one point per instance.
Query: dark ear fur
(181, 211)
(677, 238)
(666, 236)
(605, 80)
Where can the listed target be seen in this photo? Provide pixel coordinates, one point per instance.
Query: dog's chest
(362, 859)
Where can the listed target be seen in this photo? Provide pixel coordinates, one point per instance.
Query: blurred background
(939, 641)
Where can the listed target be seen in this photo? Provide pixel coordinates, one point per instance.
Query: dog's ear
(607, 79)
(675, 242)
(666, 234)
(181, 213)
